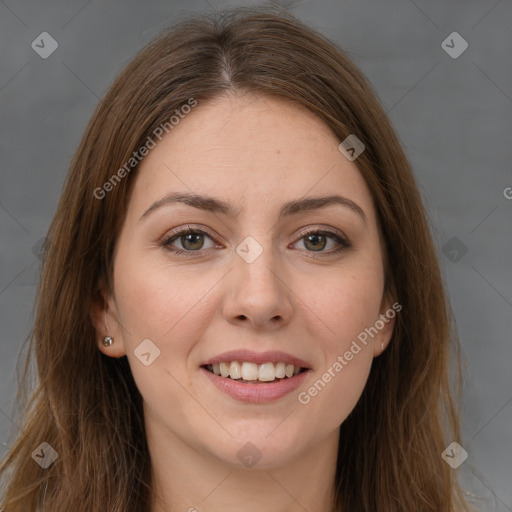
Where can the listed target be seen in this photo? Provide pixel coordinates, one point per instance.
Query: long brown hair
(87, 406)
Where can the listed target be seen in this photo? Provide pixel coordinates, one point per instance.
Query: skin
(255, 153)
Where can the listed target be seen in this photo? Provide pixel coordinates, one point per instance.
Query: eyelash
(167, 241)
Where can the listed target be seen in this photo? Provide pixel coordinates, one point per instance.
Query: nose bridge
(259, 292)
(256, 263)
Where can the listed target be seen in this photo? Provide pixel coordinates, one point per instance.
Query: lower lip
(256, 393)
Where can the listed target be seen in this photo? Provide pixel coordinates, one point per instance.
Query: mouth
(256, 377)
(246, 372)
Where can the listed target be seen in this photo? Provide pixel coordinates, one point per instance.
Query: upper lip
(272, 356)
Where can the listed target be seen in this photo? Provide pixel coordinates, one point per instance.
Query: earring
(107, 341)
(382, 346)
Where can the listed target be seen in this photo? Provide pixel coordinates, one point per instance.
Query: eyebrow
(213, 205)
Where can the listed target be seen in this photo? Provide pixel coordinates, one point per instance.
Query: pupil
(192, 235)
(316, 243)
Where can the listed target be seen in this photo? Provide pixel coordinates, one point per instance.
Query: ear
(105, 319)
(385, 323)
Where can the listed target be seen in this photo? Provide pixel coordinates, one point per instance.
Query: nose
(257, 292)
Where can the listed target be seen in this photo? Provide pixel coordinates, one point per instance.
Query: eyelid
(325, 230)
(189, 227)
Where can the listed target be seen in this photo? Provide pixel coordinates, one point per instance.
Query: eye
(191, 240)
(317, 240)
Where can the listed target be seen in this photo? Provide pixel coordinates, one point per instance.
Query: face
(305, 282)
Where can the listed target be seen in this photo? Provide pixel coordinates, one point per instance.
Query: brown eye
(190, 241)
(315, 242)
(318, 241)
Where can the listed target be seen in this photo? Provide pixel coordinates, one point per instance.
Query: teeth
(235, 370)
(224, 369)
(249, 371)
(280, 370)
(266, 372)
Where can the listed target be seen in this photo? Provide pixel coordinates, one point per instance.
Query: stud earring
(107, 341)
(382, 346)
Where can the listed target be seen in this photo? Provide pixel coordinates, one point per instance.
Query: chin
(254, 450)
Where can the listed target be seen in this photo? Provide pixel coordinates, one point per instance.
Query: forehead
(250, 151)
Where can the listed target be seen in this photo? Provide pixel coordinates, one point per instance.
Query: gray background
(452, 115)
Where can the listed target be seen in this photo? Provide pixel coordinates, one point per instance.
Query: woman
(240, 303)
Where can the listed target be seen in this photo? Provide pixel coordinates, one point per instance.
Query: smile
(256, 391)
(255, 377)
(252, 373)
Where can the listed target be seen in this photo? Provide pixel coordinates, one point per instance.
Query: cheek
(344, 303)
(157, 301)
(170, 308)
(340, 308)
(173, 309)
